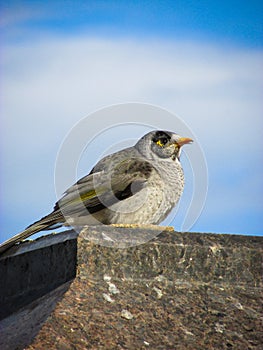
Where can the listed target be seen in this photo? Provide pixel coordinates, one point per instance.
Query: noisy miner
(137, 185)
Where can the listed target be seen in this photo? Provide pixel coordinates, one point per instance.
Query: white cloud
(201, 82)
(49, 84)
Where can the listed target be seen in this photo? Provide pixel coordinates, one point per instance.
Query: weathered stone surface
(178, 291)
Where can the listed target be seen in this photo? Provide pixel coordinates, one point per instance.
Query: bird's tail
(52, 220)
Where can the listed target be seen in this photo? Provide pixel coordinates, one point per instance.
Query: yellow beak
(183, 141)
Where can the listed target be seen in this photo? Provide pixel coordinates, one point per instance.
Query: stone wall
(177, 291)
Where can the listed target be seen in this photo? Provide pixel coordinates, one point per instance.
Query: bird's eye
(161, 142)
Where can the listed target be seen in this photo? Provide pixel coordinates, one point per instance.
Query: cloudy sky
(200, 61)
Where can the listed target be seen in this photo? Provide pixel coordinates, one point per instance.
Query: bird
(136, 185)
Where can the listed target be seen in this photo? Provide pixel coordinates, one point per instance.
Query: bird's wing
(93, 192)
(103, 188)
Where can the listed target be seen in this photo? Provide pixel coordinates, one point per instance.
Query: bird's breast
(154, 201)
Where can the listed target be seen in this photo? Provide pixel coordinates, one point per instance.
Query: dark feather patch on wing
(101, 190)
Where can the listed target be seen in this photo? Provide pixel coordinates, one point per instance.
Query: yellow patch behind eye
(159, 143)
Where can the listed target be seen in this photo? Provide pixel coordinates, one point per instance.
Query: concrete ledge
(177, 291)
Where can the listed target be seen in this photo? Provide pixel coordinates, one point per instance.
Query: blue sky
(233, 21)
(200, 60)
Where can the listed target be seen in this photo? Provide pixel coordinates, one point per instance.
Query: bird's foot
(145, 226)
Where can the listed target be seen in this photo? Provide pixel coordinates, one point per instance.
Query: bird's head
(162, 144)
